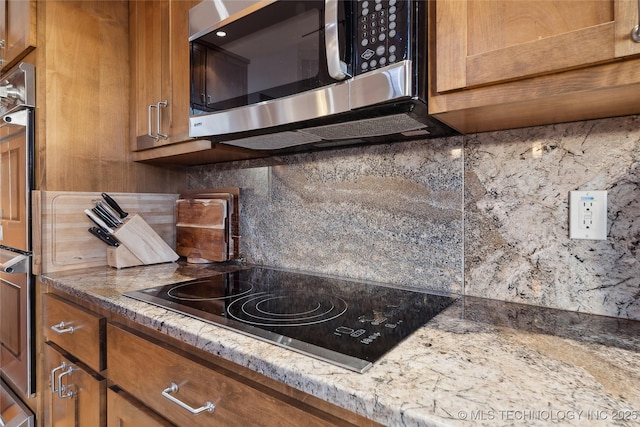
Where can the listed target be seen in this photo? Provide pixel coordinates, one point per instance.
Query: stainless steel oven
(17, 100)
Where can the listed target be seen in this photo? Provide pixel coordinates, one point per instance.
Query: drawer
(76, 329)
(147, 371)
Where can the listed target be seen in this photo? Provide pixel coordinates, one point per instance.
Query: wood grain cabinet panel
(148, 379)
(17, 30)
(160, 88)
(148, 370)
(78, 331)
(74, 391)
(502, 40)
(83, 86)
(160, 72)
(123, 412)
(508, 63)
(74, 395)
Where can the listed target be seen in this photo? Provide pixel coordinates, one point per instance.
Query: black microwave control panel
(382, 35)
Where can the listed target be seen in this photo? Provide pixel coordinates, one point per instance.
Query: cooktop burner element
(290, 309)
(347, 323)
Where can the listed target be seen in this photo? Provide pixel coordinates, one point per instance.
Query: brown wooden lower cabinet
(192, 392)
(138, 377)
(123, 411)
(73, 357)
(75, 394)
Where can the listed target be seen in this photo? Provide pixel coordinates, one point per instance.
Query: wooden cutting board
(60, 237)
(202, 229)
(232, 196)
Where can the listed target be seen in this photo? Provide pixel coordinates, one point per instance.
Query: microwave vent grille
(274, 141)
(378, 126)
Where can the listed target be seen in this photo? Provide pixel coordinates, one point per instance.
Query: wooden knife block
(140, 245)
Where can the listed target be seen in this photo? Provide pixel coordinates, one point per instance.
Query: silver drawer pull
(635, 33)
(149, 125)
(65, 391)
(54, 390)
(62, 391)
(62, 328)
(173, 388)
(159, 120)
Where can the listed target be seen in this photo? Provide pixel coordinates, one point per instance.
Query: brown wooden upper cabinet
(497, 62)
(17, 30)
(160, 92)
(160, 72)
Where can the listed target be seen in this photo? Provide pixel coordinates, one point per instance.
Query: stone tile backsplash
(517, 245)
(386, 213)
(484, 214)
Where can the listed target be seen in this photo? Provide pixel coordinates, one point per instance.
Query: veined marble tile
(517, 245)
(390, 213)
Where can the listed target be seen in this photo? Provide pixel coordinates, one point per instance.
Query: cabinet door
(122, 412)
(160, 71)
(17, 29)
(485, 42)
(74, 396)
(149, 25)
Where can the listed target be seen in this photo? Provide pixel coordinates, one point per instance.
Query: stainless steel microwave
(293, 75)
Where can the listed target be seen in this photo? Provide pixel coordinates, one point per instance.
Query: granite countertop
(480, 362)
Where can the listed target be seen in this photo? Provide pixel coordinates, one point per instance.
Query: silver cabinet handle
(173, 388)
(158, 133)
(62, 389)
(635, 33)
(53, 377)
(62, 328)
(337, 68)
(149, 124)
(159, 122)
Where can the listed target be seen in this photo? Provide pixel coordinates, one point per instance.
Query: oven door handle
(337, 68)
(18, 118)
(17, 264)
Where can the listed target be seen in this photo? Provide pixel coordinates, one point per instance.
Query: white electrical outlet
(588, 215)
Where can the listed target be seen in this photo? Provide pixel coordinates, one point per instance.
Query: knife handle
(114, 205)
(105, 208)
(105, 218)
(100, 223)
(100, 234)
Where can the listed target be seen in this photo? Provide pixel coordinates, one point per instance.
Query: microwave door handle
(337, 68)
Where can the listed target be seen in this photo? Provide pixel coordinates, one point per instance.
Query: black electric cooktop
(350, 324)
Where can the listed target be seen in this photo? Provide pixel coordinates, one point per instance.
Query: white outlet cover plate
(588, 215)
